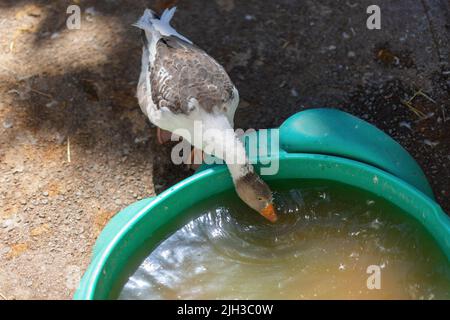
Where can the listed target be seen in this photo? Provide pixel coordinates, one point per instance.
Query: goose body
(180, 87)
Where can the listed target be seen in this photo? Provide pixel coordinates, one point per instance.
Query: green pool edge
(151, 218)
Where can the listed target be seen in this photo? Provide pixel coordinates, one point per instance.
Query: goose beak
(269, 213)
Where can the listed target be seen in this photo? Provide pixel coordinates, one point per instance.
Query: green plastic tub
(320, 144)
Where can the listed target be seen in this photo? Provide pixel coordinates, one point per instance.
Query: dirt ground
(75, 148)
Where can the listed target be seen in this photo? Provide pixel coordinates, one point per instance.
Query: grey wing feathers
(182, 71)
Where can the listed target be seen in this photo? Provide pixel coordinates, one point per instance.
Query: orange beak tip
(269, 213)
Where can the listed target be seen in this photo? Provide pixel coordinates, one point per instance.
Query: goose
(179, 86)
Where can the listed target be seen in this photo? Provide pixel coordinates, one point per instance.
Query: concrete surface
(74, 90)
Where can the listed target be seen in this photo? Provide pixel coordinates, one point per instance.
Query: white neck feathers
(221, 141)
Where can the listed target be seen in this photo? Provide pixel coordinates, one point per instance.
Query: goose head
(256, 194)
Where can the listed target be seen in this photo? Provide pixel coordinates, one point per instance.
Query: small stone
(430, 143)
(118, 202)
(405, 125)
(51, 104)
(18, 169)
(8, 123)
(91, 11)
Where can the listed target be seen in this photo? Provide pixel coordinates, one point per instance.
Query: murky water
(321, 248)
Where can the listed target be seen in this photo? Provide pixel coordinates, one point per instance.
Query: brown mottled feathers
(182, 71)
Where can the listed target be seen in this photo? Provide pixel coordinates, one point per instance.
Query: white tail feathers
(145, 21)
(151, 23)
(168, 15)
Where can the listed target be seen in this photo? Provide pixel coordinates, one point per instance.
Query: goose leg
(162, 135)
(197, 157)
